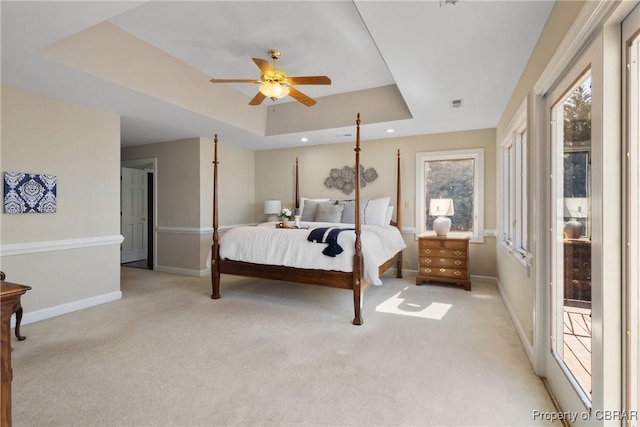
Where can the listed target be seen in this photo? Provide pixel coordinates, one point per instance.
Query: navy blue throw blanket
(320, 235)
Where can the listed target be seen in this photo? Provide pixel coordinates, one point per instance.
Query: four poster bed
(291, 255)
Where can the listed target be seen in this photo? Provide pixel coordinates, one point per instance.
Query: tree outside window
(451, 179)
(456, 175)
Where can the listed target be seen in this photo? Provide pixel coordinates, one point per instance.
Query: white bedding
(266, 244)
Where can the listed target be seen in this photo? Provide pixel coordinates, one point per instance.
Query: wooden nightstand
(443, 259)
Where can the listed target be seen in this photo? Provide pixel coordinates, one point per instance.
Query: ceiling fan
(275, 83)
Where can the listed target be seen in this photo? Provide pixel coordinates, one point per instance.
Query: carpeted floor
(277, 354)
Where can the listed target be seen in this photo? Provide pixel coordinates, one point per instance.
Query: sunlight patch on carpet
(398, 305)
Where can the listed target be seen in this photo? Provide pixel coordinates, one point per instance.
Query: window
(513, 179)
(456, 175)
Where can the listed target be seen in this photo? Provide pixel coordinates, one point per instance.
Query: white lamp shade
(576, 207)
(272, 206)
(441, 207)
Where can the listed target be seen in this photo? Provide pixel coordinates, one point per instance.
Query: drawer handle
(427, 251)
(457, 273)
(442, 251)
(442, 270)
(459, 252)
(428, 261)
(427, 270)
(442, 260)
(457, 262)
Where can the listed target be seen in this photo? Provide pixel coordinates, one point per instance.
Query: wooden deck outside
(577, 344)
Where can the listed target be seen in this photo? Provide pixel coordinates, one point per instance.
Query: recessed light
(304, 139)
(390, 130)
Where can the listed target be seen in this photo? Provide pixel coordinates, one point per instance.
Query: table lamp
(272, 208)
(442, 208)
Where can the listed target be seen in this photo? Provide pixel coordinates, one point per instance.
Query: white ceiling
(434, 52)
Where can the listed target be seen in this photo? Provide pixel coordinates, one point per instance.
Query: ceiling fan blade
(257, 100)
(262, 64)
(310, 80)
(234, 81)
(301, 97)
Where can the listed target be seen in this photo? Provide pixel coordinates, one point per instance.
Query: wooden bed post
(399, 215)
(215, 256)
(297, 187)
(357, 257)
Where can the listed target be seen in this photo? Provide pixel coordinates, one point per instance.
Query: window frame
(475, 154)
(514, 210)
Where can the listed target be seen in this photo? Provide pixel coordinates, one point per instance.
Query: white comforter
(266, 244)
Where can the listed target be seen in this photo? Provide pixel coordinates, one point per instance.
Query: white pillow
(375, 211)
(389, 216)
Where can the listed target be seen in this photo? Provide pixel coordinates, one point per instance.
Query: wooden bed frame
(337, 279)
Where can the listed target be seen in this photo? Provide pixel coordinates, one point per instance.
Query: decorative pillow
(375, 211)
(328, 213)
(349, 212)
(308, 208)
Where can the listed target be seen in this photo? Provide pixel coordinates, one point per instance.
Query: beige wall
(236, 176)
(275, 179)
(71, 257)
(518, 287)
(184, 198)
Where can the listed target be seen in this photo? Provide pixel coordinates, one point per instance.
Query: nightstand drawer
(444, 244)
(443, 262)
(442, 253)
(457, 273)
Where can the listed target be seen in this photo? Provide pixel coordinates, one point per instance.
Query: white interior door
(133, 222)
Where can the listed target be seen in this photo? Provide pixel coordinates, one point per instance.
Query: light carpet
(277, 354)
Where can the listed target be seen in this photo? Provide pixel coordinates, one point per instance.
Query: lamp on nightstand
(442, 208)
(272, 208)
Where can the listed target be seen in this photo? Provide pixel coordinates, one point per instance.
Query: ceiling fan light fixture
(274, 90)
(275, 83)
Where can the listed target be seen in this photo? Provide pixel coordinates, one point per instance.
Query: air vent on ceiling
(456, 103)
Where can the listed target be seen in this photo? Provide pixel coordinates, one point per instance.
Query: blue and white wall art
(29, 193)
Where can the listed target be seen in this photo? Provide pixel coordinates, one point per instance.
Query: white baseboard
(528, 347)
(182, 271)
(70, 307)
(484, 279)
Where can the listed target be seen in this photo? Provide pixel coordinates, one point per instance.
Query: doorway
(579, 310)
(137, 221)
